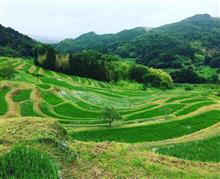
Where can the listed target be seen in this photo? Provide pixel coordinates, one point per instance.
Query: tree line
(99, 66)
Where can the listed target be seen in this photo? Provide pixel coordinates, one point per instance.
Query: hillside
(107, 43)
(194, 40)
(86, 160)
(199, 27)
(13, 43)
(162, 134)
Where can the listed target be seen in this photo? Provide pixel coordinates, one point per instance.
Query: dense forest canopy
(13, 43)
(107, 43)
(103, 67)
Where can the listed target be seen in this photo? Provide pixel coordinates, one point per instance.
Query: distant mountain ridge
(105, 43)
(201, 27)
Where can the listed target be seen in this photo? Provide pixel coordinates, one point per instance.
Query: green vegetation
(13, 43)
(23, 162)
(187, 74)
(27, 109)
(150, 76)
(160, 111)
(206, 150)
(148, 115)
(194, 107)
(129, 85)
(22, 95)
(152, 132)
(44, 86)
(169, 45)
(109, 68)
(110, 115)
(4, 105)
(7, 72)
(51, 98)
(46, 56)
(152, 114)
(71, 111)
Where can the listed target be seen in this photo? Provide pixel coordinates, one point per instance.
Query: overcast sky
(59, 19)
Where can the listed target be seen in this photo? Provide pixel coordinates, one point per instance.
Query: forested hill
(13, 43)
(199, 27)
(191, 41)
(195, 40)
(107, 43)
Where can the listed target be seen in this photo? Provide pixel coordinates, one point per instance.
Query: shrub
(214, 78)
(150, 76)
(129, 85)
(23, 162)
(215, 62)
(188, 88)
(218, 93)
(187, 74)
(7, 72)
(158, 78)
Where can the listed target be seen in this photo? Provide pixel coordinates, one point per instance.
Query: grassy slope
(96, 160)
(4, 105)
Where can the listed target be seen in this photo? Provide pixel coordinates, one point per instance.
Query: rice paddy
(147, 115)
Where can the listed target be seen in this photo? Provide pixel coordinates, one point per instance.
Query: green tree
(215, 62)
(187, 74)
(215, 78)
(50, 59)
(137, 72)
(110, 115)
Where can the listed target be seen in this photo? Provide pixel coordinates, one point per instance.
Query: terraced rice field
(166, 121)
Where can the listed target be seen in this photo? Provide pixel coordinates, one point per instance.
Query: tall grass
(207, 150)
(25, 163)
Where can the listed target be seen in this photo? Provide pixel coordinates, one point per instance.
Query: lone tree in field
(110, 115)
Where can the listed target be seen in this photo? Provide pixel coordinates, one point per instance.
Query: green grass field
(22, 96)
(207, 150)
(151, 132)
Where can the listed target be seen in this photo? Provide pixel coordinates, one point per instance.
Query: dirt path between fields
(13, 108)
(36, 98)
